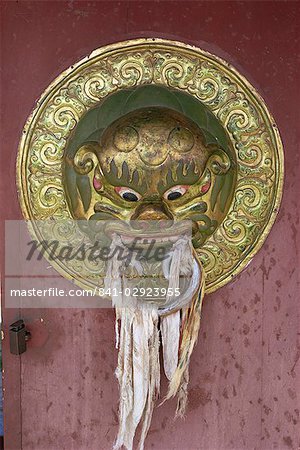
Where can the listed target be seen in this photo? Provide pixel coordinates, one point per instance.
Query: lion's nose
(152, 212)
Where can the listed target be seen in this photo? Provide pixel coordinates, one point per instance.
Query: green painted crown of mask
(95, 121)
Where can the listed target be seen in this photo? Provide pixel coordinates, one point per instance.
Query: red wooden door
(62, 393)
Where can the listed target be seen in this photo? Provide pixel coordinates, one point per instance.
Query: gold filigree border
(211, 80)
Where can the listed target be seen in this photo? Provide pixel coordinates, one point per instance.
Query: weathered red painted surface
(245, 369)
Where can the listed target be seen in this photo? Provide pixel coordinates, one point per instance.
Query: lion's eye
(128, 194)
(175, 192)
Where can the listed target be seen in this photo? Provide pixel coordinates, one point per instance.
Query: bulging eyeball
(128, 194)
(175, 192)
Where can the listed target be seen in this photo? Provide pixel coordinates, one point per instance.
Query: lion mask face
(154, 164)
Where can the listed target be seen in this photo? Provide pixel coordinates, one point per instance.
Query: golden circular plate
(175, 65)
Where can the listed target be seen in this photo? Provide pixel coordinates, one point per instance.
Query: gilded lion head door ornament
(146, 138)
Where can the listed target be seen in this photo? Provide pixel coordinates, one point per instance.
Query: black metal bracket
(18, 336)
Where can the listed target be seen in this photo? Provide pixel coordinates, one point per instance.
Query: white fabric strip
(137, 338)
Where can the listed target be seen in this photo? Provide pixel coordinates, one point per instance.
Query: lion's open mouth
(147, 230)
(150, 249)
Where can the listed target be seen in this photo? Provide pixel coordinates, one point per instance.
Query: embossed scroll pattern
(178, 66)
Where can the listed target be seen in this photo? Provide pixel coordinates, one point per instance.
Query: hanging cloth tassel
(138, 369)
(170, 336)
(189, 335)
(138, 372)
(137, 338)
(181, 264)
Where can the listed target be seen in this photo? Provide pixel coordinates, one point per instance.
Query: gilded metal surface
(152, 164)
(252, 132)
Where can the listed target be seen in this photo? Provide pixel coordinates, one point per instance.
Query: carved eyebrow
(184, 173)
(124, 176)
